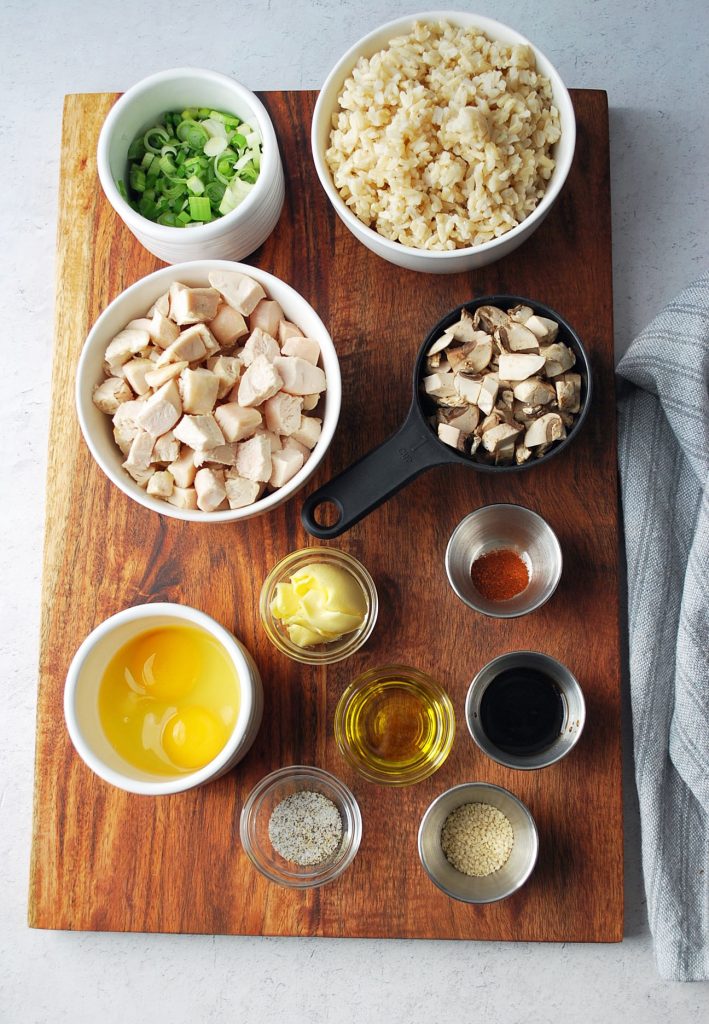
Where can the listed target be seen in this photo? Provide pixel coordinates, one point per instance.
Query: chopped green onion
(200, 208)
(191, 167)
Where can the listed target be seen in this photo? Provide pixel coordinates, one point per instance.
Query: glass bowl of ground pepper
(503, 561)
(301, 827)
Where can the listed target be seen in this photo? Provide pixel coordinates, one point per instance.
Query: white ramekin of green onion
(189, 160)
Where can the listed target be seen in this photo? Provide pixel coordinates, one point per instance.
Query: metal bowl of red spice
(503, 561)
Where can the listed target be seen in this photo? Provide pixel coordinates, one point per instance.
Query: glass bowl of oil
(395, 725)
(355, 585)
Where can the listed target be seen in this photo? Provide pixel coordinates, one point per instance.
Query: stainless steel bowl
(500, 884)
(571, 693)
(504, 526)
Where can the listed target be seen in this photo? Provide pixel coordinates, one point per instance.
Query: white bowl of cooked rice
(442, 140)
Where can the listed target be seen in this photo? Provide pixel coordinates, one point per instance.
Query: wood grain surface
(106, 860)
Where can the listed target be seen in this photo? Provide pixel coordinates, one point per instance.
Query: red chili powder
(500, 575)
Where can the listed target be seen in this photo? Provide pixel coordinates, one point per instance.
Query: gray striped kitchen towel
(664, 459)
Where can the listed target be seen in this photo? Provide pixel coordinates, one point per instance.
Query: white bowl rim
(488, 26)
(281, 494)
(147, 612)
(163, 232)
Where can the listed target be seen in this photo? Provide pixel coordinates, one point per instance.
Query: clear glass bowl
(325, 653)
(261, 803)
(379, 710)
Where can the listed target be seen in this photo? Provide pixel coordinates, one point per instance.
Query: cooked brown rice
(443, 139)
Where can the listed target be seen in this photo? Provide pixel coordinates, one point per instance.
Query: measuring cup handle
(377, 476)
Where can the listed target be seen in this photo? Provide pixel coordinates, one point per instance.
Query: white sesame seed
(477, 839)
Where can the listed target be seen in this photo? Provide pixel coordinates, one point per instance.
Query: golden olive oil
(169, 699)
(397, 728)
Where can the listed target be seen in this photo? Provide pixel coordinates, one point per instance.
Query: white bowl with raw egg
(161, 698)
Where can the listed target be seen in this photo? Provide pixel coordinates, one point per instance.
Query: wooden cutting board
(106, 860)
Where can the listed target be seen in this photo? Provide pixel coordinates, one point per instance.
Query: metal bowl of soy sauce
(525, 710)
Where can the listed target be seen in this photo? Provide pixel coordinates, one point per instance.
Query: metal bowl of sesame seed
(478, 843)
(301, 827)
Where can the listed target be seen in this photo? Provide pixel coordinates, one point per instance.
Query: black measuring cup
(415, 447)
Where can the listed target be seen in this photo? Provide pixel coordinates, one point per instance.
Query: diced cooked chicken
(166, 448)
(189, 347)
(451, 436)
(223, 454)
(283, 413)
(300, 377)
(558, 359)
(141, 476)
(135, 371)
(546, 429)
(307, 348)
(111, 393)
(308, 433)
(516, 366)
(259, 381)
(228, 326)
(284, 465)
(162, 374)
(227, 370)
(209, 485)
(273, 439)
(194, 436)
(161, 484)
(183, 497)
(199, 432)
(183, 469)
(287, 330)
(161, 305)
(237, 423)
(125, 424)
(534, 391)
(125, 345)
(192, 305)
(162, 410)
(162, 330)
(296, 446)
(266, 316)
(241, 492)
(241, 292)
(141, 451)
(198, 389)
(260, 343)
(253, 459)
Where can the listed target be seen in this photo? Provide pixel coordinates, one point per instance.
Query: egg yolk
(193, 737)
(169, 700)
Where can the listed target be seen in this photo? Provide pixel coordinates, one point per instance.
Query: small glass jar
(260, 805)
(395, 725)
(334, 650)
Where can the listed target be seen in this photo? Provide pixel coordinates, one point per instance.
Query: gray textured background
(647, 56)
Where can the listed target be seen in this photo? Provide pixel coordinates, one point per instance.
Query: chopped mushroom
(508, 368)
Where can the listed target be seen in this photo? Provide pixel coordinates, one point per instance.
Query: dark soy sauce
(522, 711)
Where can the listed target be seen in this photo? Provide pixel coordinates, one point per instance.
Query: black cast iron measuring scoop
(414, 448)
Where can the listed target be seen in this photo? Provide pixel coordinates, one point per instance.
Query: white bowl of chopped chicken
(209, 391)
(442, 140)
